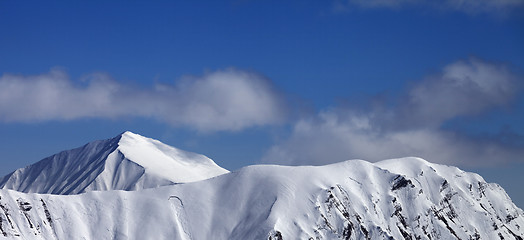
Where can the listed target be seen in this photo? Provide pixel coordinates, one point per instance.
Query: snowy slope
(126, 162)
(405, 198)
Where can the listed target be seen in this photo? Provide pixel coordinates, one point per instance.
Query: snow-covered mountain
(406, 198)
(126, 162)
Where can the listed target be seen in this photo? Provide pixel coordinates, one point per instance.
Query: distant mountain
(406, 198)
(126, 162)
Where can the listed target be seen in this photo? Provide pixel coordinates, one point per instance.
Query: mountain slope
(126, 162)
(405, 198)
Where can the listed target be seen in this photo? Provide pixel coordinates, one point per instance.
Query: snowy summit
(126, 162)
(406, 198)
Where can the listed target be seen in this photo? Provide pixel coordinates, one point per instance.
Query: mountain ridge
(353, 199)
(403, 198)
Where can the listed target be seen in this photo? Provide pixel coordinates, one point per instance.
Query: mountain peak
(128, 161)
(166, 161)
(129, 134)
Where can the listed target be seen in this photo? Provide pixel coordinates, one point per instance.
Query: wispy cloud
(468, 6)
(222, 100)
(463, 88)
(412, 126)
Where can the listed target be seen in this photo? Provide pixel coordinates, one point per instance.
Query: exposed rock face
(422, 206)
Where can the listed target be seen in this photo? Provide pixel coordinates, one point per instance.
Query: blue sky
(288, 82)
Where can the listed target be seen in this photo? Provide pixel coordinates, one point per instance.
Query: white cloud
(329, 139)
(463, 88)
(476, 6)
(468, 6)
(411, 128)
(221, 100)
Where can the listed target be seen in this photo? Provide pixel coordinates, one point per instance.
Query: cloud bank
(468, 6)
(222, 100)
(412, 126)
